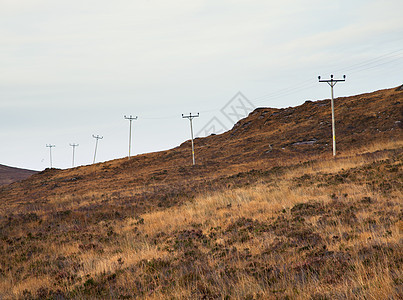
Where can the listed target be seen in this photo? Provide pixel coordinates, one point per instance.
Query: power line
(371, 61)
(308, 84)
(160, 118)
(130, 130)
(355, 68)
(332, 82)
(50, 146)
(190, 117)
(375, 66)
(74, 146)
(97, 137)
(287, 90)
(290, 92)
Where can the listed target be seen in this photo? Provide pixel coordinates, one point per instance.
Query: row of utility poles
(130, 118)
(74, 145)
(332, 82)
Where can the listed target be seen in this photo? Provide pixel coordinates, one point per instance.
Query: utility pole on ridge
(332, 82)
(190, 117)
(130, 130)
(97, 137)
(50, 146)
(74, 146)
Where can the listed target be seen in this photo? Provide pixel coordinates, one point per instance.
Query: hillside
(10, 174)
(267, 137)
(267, 213)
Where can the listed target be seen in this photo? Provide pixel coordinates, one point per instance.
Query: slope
(267, 137)
(10, 174)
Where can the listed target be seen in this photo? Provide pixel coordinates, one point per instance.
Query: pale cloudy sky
(70, 69)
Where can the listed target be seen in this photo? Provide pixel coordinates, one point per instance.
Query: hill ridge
(266, 137)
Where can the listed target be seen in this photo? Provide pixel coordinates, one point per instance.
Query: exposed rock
(310, 142)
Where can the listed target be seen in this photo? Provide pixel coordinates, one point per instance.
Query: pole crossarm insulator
(97, 137)
(190, 116)
(332, 81)
(131, 118)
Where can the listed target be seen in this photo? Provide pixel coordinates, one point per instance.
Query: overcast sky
(70, 69)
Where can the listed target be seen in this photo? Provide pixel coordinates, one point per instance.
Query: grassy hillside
(247, 222)
(326, 229)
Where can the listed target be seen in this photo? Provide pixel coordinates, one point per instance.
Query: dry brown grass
(325, 229)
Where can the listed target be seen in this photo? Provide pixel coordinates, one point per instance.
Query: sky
(73, 69)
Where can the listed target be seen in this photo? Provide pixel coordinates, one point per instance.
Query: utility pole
(74, 146)
(332, 82)
(97, 137)
(130, 130)
(50, 146)
(190, 117)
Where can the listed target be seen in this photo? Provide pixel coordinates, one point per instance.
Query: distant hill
(9, 174)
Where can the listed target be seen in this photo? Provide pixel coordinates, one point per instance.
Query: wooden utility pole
(332, 82)
(191, 117)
